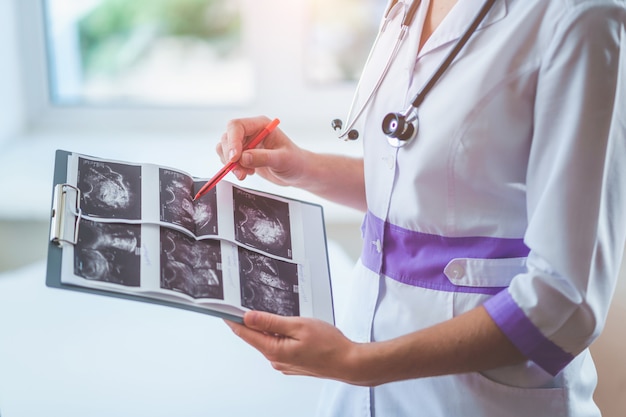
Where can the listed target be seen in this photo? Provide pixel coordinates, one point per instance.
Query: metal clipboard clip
(61, 209)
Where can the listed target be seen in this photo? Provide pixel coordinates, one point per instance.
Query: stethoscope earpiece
(398, 130)
(352, 134)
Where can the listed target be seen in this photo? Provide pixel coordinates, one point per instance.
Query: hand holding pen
(232, 164)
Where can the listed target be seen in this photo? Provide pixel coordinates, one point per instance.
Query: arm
(279, 160)
(576, 192)
(454, 346)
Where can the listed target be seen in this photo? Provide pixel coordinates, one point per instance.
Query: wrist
(307, 177)
(336, 178)
(366, 364)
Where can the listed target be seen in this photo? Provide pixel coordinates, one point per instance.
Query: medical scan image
(109, 190)
(268, 284)
(108, 252)
(205, 209)
(178, 207)
(262, 223)
(191, 267)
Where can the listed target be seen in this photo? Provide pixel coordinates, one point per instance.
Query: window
(195, 62)
(340, 37)
(150, 52)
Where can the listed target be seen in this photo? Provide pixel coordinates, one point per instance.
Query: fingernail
(231, 154)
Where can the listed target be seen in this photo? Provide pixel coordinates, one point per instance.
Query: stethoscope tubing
(402, 126)
(406, 23)
(410, 113)
(419, 97)
(352, 120)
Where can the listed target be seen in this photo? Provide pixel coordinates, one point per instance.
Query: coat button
(378, 245)
(389, 161)
(457, 271)
(454, 270)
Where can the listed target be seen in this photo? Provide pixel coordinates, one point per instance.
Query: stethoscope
(400, 127)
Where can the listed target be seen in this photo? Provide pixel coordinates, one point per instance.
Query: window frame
(278, 59)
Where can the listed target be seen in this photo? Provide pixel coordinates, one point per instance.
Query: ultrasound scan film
(176, 200)
(108, 252)
(178, 207)
(262, 223)
(205, 211)
(109, 189)
(191, 267)
(268, 284)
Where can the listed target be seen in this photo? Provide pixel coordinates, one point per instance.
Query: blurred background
(157, 80)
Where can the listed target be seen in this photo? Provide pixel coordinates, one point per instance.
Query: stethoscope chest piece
(398, 130)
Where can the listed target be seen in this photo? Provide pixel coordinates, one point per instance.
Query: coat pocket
(478, 280)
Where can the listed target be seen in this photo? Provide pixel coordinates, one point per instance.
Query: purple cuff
(525, 335)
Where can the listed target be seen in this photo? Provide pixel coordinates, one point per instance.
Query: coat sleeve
(576, 192)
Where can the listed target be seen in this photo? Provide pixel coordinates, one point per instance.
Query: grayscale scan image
(191, 267)
(205, 211)
(178, 207)
(262, 223)
(176, 200)
(268, 284)
(109, 190)
(108, 252)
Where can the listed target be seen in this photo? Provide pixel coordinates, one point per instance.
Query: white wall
(11, 102)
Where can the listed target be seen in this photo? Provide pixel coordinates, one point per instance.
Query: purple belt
(419, 259)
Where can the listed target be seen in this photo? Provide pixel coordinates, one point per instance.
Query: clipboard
(66, 217)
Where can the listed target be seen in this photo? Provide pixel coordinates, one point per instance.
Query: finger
(290, 369)
(268, 345)
(238, 131)
(220, 148)
(220, 152)
(233, 325)
(239, 173)
(243, 332)
(242, 172)
(233, 143)
(272, 323)
(258, 158)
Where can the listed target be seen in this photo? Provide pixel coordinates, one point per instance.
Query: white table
(66, 354)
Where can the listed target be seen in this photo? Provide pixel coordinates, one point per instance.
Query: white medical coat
(512, 196)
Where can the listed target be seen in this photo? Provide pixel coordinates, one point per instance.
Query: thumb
(258, 158)
(269, 323)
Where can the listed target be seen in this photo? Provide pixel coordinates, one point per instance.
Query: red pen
(229, 166)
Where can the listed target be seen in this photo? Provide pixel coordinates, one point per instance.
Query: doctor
(492, 238)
